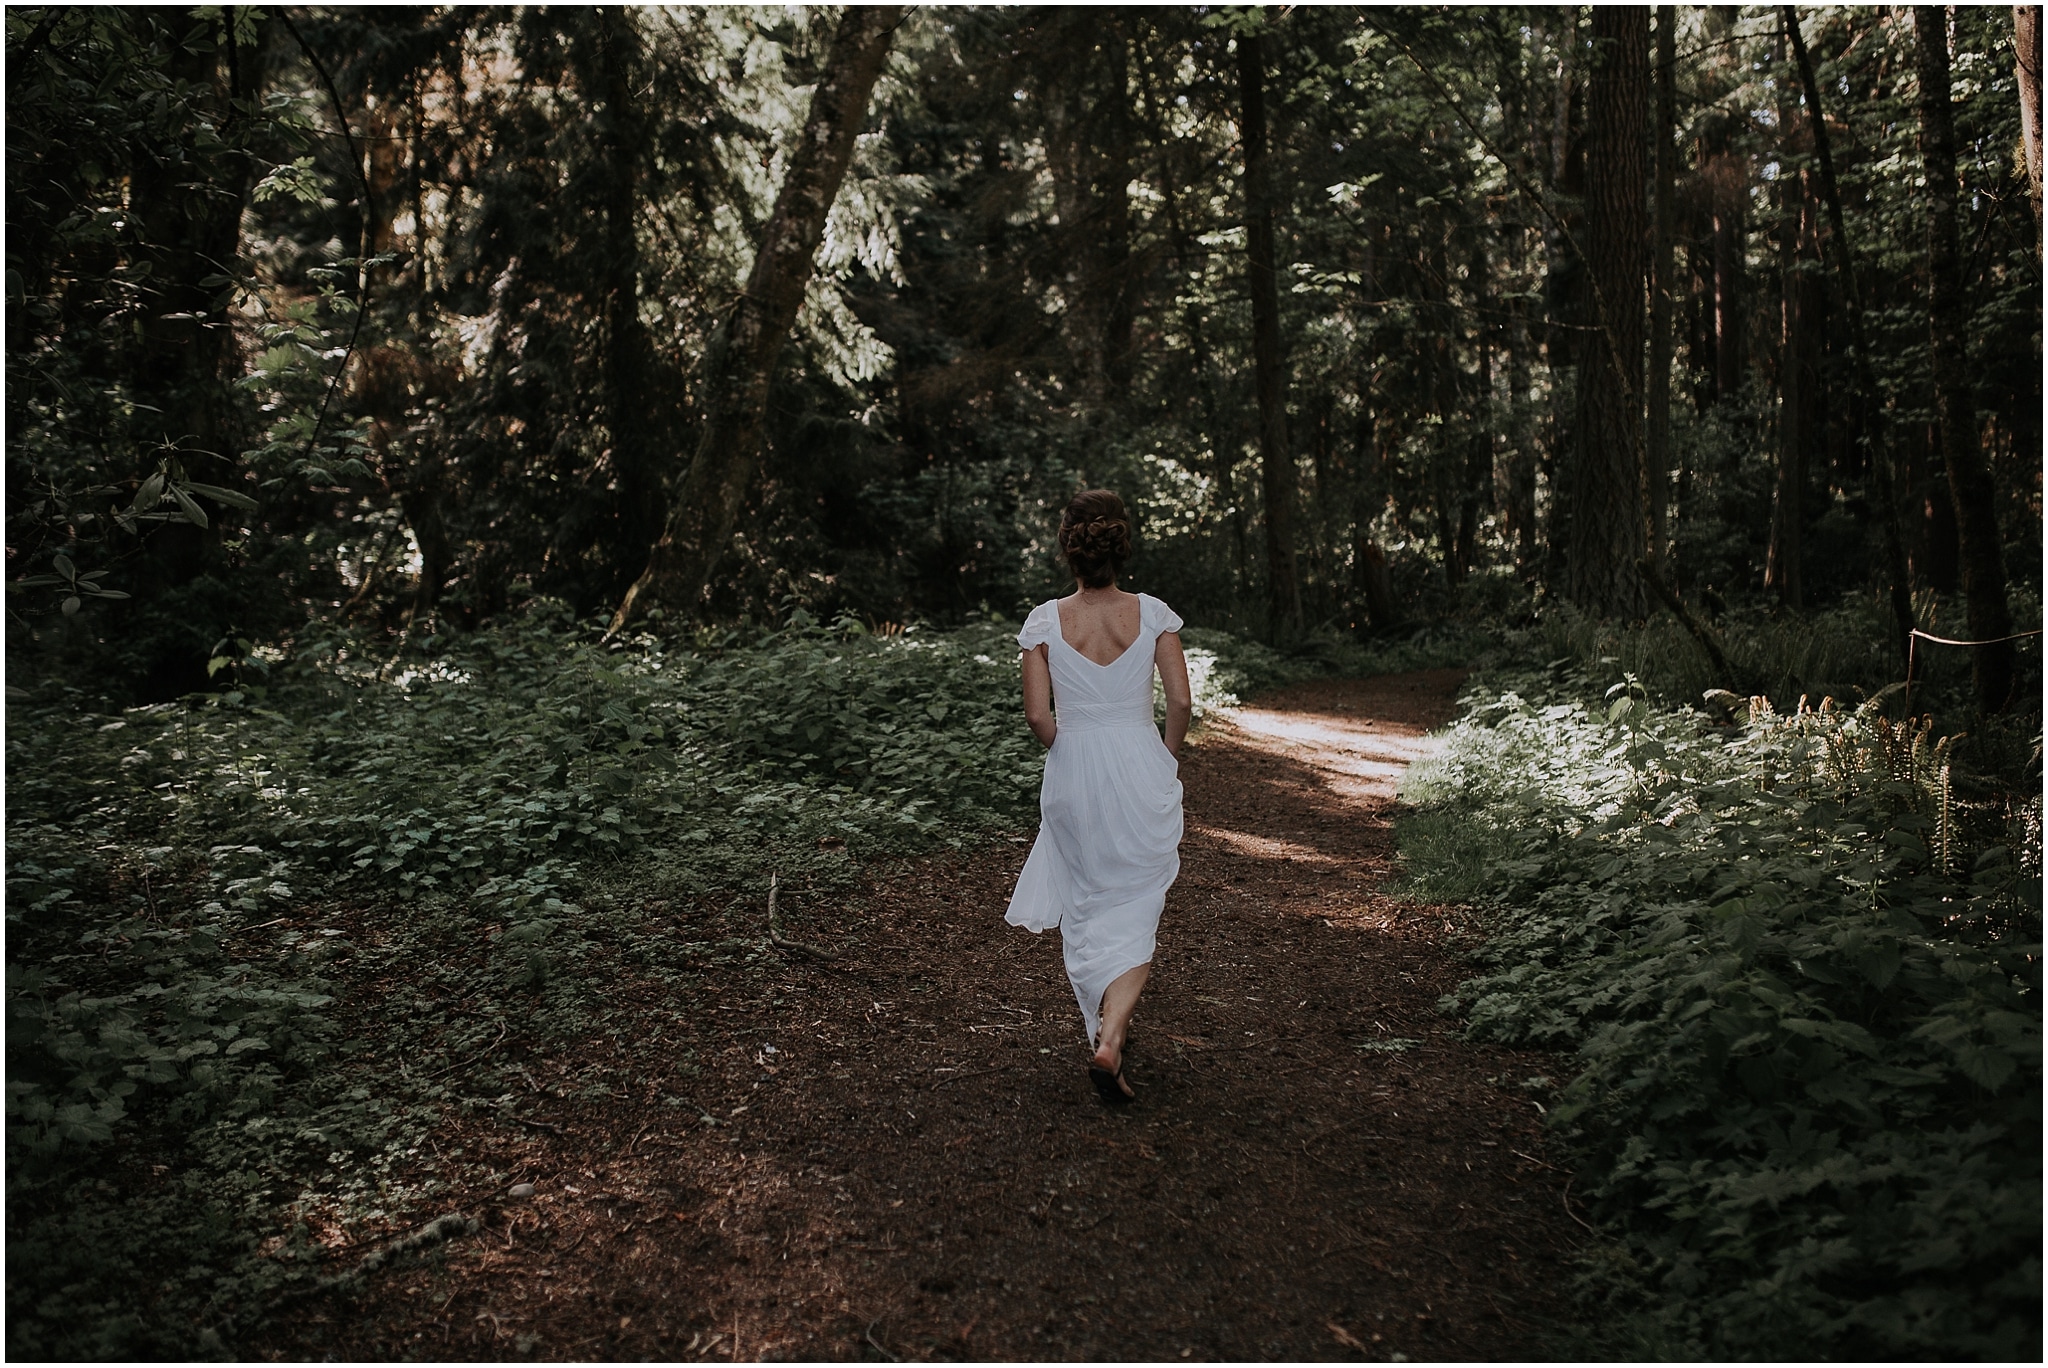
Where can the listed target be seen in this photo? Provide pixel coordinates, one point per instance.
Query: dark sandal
(1108, 1086)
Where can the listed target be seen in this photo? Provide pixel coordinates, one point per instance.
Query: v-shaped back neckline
(1059, 623)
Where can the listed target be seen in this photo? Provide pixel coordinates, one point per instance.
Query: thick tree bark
(1276, 460)
(1969, 478)
(1883, 480)
(2026, 44)
(741, 358)
(1605, 487)
(1657, 425)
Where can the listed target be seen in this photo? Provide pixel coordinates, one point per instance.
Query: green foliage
(1225, 668)
(1800, 981)
(199, 892)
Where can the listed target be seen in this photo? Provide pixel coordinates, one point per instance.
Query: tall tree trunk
(1606, 481)
(1477, 493)
(630, 395)
(190, 222)
(1519, 495)
(1724, 177)
(2026, 45)
(1565, 288)
(741, 357)
(1434, 313)
(1276, 461)
(1657, 424)
(1520, 509)
(1065, 89)
(1224, 446)
(1323, 555)
(1113, 189)
(1875, 433)
(1369, 578)
(1783, 561)
(1969, 478)
(1941, 560)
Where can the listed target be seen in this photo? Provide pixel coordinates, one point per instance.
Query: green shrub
(480, 821)
(1800, 978)
(1843, 651)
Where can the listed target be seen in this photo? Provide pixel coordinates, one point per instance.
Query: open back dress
(1109, 833)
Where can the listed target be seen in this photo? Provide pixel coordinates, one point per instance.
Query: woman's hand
(1038, 695)
(1173, 681)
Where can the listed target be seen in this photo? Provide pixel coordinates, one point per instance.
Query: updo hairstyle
(1095, 537)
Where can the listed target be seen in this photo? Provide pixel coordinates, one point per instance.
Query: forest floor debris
(900, 1149)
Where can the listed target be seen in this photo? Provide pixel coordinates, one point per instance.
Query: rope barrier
(1916, 636)
(1951, 641)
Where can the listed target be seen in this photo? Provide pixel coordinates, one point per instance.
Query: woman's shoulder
(1154, 614)
(1040, 624)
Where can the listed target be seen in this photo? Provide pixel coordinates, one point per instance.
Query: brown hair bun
(1095, 537)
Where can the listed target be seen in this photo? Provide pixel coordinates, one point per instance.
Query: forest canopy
(405, 318)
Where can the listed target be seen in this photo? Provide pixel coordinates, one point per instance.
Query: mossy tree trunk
(741, 358)
(1605, 488)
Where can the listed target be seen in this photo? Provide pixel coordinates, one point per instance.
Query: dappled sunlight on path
(1362, 753)
(897, 1154)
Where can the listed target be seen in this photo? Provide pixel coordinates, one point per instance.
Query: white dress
(1108, 843)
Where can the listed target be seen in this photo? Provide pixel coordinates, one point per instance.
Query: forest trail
(907, 1161)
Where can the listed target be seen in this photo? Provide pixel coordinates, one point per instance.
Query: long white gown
(1108, 843)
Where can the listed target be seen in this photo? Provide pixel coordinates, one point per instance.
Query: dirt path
(917, 1168)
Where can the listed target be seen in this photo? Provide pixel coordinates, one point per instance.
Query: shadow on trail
(898, 1154)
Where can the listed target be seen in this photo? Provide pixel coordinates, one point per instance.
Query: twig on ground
(775, 936)
(1510, 1320)
(550, 1128)
(630, 1144)
(503, 1026)
(1534, 1160)
(978, 1073)
(1573, 1214)
(878, 1344)
(434, 1232)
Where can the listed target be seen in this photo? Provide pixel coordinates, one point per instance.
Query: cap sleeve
(1039, 627)
(1157, 616)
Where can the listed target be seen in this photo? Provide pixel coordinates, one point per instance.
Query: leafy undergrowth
(1799, 978)
(1842, 651)
(262, 943)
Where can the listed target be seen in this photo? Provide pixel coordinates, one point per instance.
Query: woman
(1109, 841)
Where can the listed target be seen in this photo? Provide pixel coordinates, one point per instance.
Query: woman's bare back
(1101, 624)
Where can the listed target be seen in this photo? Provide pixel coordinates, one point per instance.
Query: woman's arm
(1173, 679)
(1038, 695)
